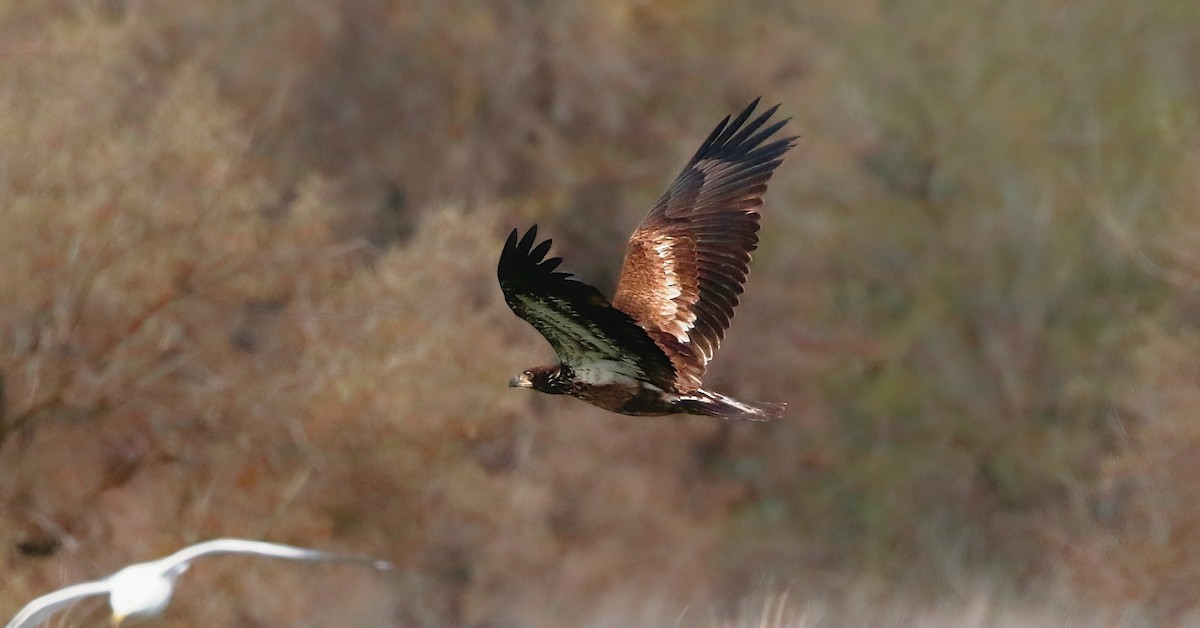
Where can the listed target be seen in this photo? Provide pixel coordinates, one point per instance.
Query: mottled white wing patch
(607, 372)
(682, 319)
(577, 340)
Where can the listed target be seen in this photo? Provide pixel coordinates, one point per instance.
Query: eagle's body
(645, 352)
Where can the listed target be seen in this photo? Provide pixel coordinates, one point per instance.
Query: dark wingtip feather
(522, 263)
(527, 241)
(741, 138)
(738, 138)
(541, 250)
(737, 123)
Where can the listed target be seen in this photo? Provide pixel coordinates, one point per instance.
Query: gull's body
(146, 588)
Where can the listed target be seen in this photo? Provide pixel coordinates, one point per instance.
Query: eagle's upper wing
(580, 323)
(686, 263)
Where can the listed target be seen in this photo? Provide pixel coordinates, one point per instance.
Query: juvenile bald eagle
(645, 352)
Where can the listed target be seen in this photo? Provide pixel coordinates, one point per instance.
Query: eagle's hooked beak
(520, 381)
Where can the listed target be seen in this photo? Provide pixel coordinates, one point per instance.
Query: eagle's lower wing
(686, 263)
(580, 323)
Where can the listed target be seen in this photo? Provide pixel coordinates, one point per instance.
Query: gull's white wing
(262, 548)
(42, 608)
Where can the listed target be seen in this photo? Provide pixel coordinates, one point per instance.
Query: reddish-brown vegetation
(247, 257)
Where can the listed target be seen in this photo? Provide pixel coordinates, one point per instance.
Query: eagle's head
(548, 379)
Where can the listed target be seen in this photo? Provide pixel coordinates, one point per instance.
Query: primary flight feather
(646, 351)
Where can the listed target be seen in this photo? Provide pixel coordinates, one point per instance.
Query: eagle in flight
(645, 352)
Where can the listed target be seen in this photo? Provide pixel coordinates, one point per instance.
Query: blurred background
(247, 288)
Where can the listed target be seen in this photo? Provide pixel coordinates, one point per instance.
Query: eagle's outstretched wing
(686, 263)
(580, 323)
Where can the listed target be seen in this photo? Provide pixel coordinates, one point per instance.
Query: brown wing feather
(685, 265)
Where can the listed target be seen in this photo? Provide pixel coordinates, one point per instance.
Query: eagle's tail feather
(715, 404)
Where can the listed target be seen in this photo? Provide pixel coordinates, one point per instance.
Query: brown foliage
(248, 282)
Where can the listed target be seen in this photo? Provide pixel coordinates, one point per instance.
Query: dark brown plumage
(645, 353)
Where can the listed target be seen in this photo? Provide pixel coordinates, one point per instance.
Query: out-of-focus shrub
(247, 275)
